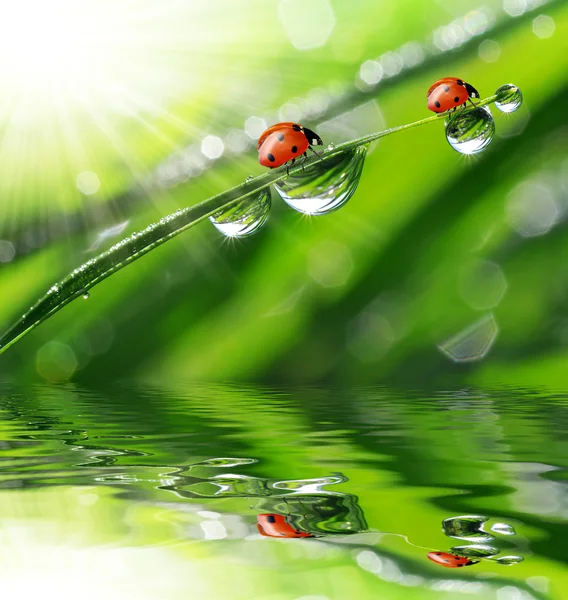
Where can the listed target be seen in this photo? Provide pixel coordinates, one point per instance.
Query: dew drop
(249, 178)
(330, 147)
(509, 560)
(471, 131)
(475, 551)
(503, 529)
(244, 218)
(86, 295)
(466, 528)
(509, 98)
(325, 185)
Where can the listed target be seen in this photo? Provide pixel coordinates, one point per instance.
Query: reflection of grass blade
(133, 247)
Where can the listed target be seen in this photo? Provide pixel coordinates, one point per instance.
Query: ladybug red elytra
(451, 561)
(285, 142)
(271, 525)
(448, 93)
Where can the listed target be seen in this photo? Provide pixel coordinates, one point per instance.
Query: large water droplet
(503, 529)
(325, 185)
(470, 131)
(466, 528)
(509, 560)
(245, 217)
(475, 551)
(509, 98)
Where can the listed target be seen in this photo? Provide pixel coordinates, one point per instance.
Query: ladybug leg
(472, 102)
(289, 165)
(304, 158)
(316, 153)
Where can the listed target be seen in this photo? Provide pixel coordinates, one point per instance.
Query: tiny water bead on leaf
(470, 131)
(244, 218)
(509, 98)
(326, 185)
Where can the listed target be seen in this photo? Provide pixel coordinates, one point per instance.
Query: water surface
(235, 492)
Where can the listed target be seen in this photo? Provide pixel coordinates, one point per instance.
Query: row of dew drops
(324, 186)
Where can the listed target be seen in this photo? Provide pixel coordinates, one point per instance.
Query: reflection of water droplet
(503, 529)
(245, 217)
(466, 528)
(472, 343)
(86, 295)
(509, 98)
(475, 551)
(509, 560)
(225, 462)
(307, 486)
(325, 185)
(470, 131)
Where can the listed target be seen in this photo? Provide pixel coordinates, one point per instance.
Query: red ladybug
(285, 142)
(450, 560)
(449, 93)
(278, 526)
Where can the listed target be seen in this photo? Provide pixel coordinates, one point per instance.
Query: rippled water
(243, 493)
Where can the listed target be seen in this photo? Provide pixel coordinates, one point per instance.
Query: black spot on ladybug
(294, 149)
(296, 128)
(271, 159)
(459, 82)
(460, 565)
(437, 104)
(280, 137)
(456, 99)
(437, 553)
(446, 88)
(271, 519)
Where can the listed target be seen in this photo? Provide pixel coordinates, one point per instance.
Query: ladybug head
(473, 93)
(313, 138)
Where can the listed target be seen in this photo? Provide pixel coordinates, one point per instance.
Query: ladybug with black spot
(448, 93)
(451, 561)
(271, 525)
(284, 142)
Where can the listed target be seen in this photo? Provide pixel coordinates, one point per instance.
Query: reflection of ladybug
(284, 142)
(449, 93)
(278, 526)
(450, 560)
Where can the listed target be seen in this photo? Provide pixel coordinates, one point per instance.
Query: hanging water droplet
(245, 217)
(503, 529)
(325, 185)
(466, 528)
(86, 295)
(330, 147)
(470, 131)
(475, 551)
(509, 98)
(509, 560)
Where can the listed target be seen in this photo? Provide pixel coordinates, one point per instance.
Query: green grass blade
(89, 274)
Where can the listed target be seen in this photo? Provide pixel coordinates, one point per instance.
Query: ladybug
(271, 525)
(285, 142)
(449, 93)
(451, 561)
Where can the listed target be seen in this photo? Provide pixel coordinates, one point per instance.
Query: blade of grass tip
(83, 278)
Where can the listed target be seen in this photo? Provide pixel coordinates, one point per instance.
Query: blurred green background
(109, 129)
